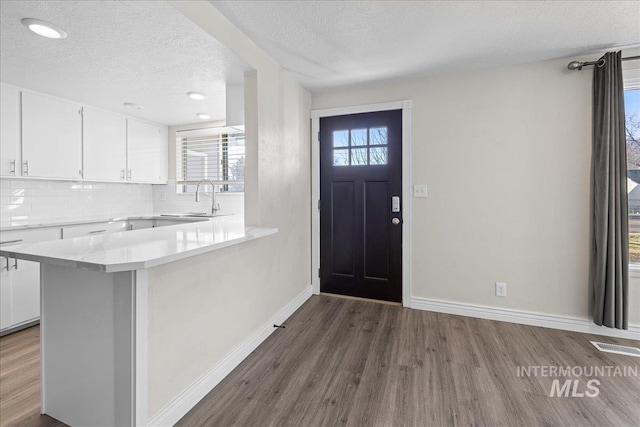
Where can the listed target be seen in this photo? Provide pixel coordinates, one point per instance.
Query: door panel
(376, 230)
(360, 171)
(342, 233)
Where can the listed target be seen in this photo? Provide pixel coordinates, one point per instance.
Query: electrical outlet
(163, 196)
(501, 289)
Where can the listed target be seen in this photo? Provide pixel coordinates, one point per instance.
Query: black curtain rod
(577, 65)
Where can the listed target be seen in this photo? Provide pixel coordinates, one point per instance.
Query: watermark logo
(563, 391)
(569, 381)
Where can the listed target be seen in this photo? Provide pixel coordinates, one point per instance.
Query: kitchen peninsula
(96, 306)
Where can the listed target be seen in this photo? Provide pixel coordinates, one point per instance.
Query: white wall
(30, 202)
(506, 157)
(196, 319)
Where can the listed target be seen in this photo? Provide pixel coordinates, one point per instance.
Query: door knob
(395, 221)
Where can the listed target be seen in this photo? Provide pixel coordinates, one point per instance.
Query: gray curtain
(610, 238)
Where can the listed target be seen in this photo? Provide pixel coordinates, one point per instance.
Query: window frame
(220, 137)
(631, 81)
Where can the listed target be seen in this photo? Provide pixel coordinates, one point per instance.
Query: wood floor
(355, 363)
(20, 380)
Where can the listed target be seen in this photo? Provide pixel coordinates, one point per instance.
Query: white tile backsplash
(230, 203)
(28, 202)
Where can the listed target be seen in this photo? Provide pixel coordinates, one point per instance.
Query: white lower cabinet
(5, 295)
(93, 229)
(20, 280)
(25, 291)
(20, 292)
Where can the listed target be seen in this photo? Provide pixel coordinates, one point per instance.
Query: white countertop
(58, 224)
(140, 249)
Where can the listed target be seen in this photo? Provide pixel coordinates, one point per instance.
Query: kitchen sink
(154, 222)
(196, 214)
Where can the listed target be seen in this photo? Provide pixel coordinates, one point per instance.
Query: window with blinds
(214, 154)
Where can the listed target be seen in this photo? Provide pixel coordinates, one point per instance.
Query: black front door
(360, 210)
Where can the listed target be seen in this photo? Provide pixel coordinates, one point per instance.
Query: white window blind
(215, 154)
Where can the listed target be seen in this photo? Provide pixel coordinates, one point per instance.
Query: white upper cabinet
(146, 152)
(51, 137)
(9, 131)
(104, 139)
(46, 137)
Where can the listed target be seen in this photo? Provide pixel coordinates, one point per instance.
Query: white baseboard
(545, 320)
(185, 401)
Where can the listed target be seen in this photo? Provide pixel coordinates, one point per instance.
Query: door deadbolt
(395, 204)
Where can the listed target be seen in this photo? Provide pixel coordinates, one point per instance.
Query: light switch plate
(420, 190)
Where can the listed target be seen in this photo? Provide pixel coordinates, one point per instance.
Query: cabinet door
(25, 290)
(9, 131)
(93, 229)
(18, 237)
(146, 152)
(5, 294)
(20, 284)
(51, 137)
(104, 145)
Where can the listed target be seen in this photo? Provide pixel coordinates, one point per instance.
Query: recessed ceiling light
(196, 95)
(44, 29)
(133, 106)
(203, 116)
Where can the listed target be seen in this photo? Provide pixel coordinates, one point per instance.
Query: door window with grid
(360, 147)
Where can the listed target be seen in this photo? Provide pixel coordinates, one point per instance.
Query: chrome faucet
(214, 207)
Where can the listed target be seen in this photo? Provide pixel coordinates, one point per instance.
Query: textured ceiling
(144, 52)
(336, 43)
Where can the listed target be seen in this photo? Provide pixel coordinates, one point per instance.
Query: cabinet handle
(15, 264)
(13, 167)
(129, 175)
(26, 167)
(97, 231)
(122, 174)
(6, 242)
(6, 259)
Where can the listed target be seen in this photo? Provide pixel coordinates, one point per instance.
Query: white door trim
(406, 187)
